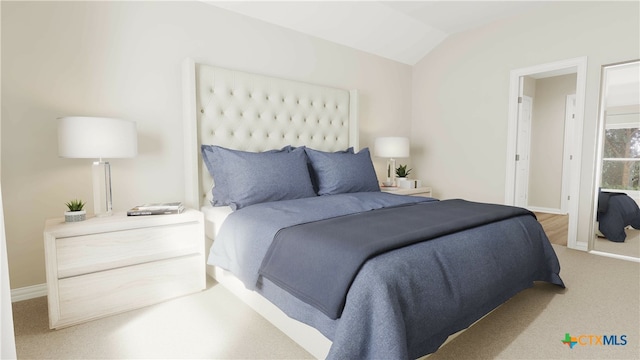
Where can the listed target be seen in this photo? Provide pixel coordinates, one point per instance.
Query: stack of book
(157, 209)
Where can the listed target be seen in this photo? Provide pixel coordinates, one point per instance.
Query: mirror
(617, 193)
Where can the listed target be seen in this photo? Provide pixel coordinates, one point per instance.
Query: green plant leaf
(75, 205)
(401, 171)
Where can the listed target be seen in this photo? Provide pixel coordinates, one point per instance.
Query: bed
(616, 211)
(395, 301)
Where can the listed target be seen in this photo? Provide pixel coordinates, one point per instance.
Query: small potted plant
(76, 212)
(402, 172)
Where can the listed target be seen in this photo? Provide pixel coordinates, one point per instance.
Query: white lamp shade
(391, 147)
(96, 138)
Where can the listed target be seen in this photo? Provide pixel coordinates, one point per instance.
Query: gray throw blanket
(318, 261)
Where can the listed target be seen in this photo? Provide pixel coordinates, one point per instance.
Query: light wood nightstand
(107, 265)
(421, 191)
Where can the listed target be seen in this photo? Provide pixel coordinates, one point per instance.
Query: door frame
(575, 65)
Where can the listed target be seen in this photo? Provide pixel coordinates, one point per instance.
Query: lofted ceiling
(404, 31)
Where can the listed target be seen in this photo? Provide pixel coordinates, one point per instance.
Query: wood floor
(556, 227)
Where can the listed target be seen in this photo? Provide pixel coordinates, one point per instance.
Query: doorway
(544, 142)
(561, 195)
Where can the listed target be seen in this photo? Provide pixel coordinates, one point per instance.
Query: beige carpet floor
(602, 298)
(212, 324)
(630, 246)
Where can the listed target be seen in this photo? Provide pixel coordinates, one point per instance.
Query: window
(621, 158)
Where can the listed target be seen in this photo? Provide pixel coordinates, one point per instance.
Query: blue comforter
(404, 303)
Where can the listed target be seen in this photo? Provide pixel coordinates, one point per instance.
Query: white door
(523, 151)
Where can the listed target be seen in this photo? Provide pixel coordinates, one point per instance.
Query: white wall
(123, 59)
(461, 89)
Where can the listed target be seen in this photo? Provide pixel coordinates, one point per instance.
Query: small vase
(403, 183)
(74, 216)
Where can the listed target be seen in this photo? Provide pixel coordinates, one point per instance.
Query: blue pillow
(314, 176)
(220, 195)
(343, 172)
(245, 178)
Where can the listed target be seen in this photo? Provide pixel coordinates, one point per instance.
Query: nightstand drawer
(423, 191)
(96, 252)
(95, 295)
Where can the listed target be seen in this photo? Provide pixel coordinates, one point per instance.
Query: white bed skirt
(307, 337)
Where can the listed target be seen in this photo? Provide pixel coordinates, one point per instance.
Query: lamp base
(391, 172)
(102, 203)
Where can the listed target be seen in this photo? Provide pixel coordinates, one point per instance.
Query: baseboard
(615, 256)
(28, 292)
(546, 210)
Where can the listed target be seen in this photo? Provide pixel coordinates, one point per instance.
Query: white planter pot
(403, 183)
(74, 216)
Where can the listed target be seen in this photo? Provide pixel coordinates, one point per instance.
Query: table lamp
(391, 147)
(98, 138)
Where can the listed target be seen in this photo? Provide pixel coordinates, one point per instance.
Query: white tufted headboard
(252, 112)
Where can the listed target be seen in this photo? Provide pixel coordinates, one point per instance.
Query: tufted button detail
(244, 112)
